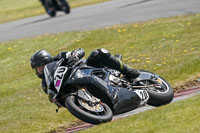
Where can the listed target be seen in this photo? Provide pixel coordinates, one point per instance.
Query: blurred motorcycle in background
(52, 6)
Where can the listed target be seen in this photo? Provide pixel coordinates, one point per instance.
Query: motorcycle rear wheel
(65, 6)
(162, 96)
(83, 114)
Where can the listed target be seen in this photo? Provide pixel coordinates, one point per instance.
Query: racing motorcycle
(52, 6)
(94, 95)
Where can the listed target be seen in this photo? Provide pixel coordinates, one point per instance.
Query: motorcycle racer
(98, 58)
(51, 9)
(47, 9)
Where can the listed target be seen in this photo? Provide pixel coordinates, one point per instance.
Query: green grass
(168, 46)
(180, 117)
(18, 9)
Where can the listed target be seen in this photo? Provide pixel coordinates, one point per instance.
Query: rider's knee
(97, 57)
(99, 54)
(103, 53)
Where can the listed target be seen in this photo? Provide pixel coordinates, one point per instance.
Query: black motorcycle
(52, 6)
(94, 95)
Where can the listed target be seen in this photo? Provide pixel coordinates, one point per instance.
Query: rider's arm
(79, 53)
(70, 58)
(60, 56)
(44, 85)
(51, 95)
(49, 92)
(66, 55)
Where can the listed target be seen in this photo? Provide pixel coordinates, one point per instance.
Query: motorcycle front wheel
(84, 111)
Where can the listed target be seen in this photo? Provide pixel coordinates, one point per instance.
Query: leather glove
(72, 60)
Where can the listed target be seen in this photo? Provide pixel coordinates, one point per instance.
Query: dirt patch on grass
(191, 83)
(63, 129)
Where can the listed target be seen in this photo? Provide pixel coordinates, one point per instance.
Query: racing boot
(128, 72)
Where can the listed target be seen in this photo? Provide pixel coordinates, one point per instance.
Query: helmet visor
(39, 69)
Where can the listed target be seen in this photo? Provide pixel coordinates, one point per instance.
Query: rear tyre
(65, 6)
(158, 96)
(86, 115)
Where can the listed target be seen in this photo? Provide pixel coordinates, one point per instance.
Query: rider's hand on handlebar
(72, 61)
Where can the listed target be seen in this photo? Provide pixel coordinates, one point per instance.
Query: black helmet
(40, 58)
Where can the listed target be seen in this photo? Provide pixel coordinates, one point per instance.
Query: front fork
(85, 95)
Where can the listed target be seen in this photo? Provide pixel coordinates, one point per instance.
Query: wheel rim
(94, 107)
(162, 87)
(84, 114)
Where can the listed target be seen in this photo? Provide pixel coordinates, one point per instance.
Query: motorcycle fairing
(121, 99)
(144, 76)
(58, 77)
(49, 71)
(84, 76)
(126, 100)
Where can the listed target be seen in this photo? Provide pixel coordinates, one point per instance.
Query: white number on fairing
(58, 77)
(144, 96)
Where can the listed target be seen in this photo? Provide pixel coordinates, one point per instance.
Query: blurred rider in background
(51, 9)
(48, 10)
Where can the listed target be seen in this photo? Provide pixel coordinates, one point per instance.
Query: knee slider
(104, 53)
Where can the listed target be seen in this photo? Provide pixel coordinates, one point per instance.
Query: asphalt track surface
(97, 16)
(178, 97)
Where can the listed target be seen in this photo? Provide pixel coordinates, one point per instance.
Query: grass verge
(168, 46)
(180, 117)
(19, 9)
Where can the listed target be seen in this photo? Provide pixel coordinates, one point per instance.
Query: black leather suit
(98, 58)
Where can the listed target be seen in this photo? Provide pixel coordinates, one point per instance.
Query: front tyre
(50, 9)
(51, 13)
(86, 112)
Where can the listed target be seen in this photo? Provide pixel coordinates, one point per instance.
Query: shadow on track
(136, 3)
(39, 20)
